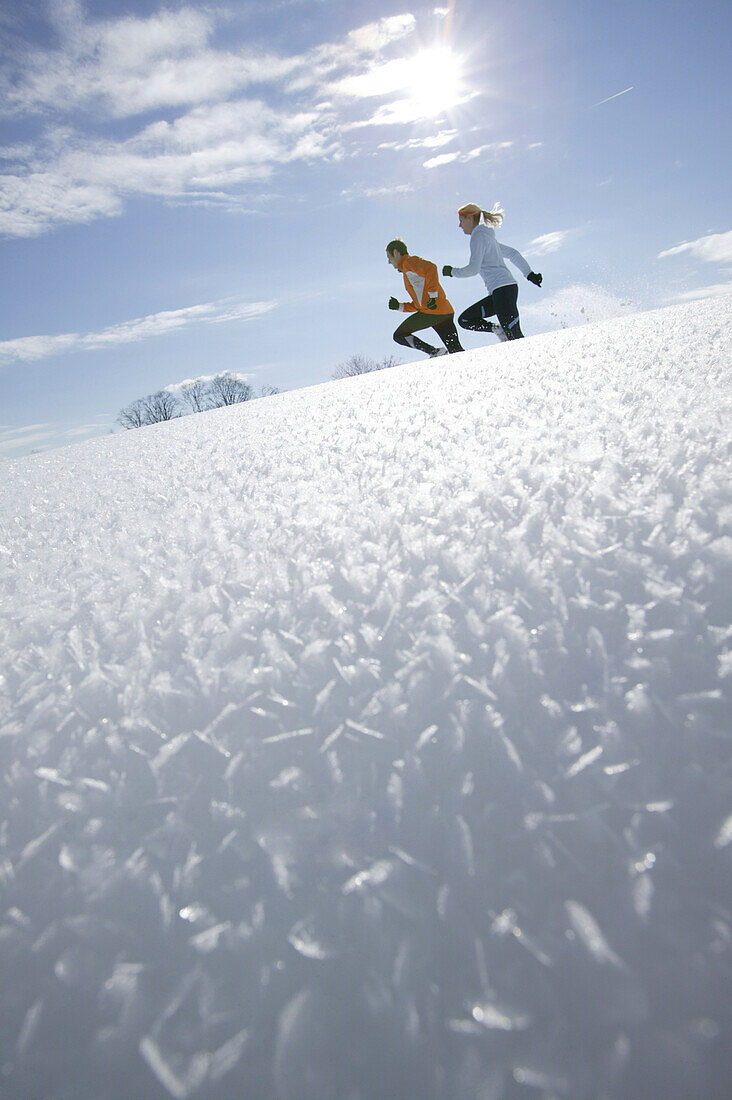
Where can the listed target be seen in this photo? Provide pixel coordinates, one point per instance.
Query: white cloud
(716, 248)
(23, 438)
(176, 387)
(208, 152)
(376, 36)
(86, 429)
(391, 76)
(222, 141)
(434, 141)
(718, 290)
(462, 158)
(375, 192)
(401, 112)
(548, 242)
(473, 153)
(428, 84)
(129, 65)
(32, 202)
(8, 433)
(31, 348)
(443, 158)
(40, 437)
(26, 441)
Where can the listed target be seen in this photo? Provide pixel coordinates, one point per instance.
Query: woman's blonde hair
(492, 217)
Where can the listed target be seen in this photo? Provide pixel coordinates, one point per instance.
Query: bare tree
(199, 395)
(150, 410)
(361, 364)
(388, 362)
(133, 416)
(195, 395)
(228, 389)
(160, 406)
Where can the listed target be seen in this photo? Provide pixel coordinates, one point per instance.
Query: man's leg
(475, 317)
(405, 333)
(506, 300)
(447, 332)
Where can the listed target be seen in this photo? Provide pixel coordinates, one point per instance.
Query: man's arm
(403, 307)
(431, 280)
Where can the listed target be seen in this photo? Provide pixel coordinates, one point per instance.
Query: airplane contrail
(630, 89)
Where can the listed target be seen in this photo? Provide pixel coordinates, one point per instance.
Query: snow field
(373, 739)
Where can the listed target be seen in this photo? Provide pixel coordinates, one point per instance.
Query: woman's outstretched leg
(474, 318)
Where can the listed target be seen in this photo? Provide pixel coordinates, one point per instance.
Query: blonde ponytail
(492, 217)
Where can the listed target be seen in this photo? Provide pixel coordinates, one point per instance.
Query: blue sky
(190, 188)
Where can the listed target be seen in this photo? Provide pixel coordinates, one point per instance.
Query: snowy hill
(373, 740)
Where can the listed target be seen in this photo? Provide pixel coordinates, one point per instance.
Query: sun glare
(432, 80)
(425, 85)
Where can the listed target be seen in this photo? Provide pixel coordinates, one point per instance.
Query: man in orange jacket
(429, 308)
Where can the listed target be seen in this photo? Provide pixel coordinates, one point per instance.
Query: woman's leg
(474, 317)
(506, 302)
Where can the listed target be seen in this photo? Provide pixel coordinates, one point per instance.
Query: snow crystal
(375, 740)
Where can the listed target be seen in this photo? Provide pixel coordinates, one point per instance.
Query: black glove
(393, 303)
(534, 278)
(431, 303)
(447, 270)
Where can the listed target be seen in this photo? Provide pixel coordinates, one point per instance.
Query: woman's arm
(515, 257)
(478, 245)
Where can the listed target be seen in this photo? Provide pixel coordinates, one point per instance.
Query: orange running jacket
(422, 283)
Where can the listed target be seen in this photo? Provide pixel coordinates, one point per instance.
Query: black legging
(443, 324)
(502, 304)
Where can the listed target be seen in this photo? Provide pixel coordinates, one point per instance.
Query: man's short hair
(397, 245)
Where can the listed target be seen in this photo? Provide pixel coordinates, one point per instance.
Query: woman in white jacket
(487, 259)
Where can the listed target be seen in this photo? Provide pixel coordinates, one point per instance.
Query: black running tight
(502, 303)
(442, 323)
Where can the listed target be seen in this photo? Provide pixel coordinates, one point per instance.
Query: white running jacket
(486, 257)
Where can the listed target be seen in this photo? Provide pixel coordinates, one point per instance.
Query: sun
(421, 86)
(432, 80)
